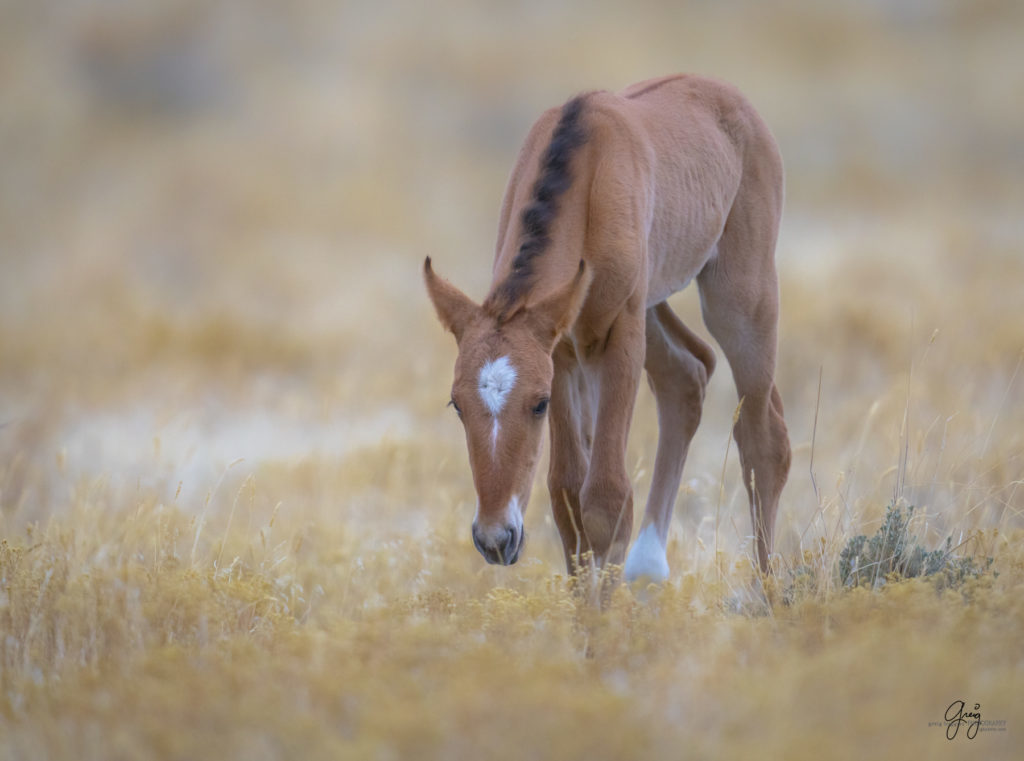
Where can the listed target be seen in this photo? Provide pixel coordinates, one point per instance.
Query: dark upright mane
(554, 179)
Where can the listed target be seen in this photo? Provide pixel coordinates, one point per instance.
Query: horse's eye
(541, 408)
(451, 403)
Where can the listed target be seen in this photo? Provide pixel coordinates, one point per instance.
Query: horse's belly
(674, 260)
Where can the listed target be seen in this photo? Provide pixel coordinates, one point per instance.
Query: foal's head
(501, 392)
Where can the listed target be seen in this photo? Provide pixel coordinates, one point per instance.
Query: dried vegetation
(234, 512)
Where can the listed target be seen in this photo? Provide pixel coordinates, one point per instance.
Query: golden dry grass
(235, 513)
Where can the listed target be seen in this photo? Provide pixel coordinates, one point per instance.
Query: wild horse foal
(616, 202)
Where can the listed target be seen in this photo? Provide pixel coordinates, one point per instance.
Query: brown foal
(616, 202)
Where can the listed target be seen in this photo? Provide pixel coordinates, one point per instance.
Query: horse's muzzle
(500, 545)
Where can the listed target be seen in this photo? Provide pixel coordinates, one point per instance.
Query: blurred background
(212, 218)
(234, 510)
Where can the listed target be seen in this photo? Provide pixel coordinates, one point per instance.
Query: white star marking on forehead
(496, 381)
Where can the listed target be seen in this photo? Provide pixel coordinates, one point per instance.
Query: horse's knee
(607, 505)
(694, 375)
(680, 393)
(781, 451)
(763, 440)
(776, 444)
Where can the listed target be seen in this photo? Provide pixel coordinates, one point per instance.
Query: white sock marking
(647, 558)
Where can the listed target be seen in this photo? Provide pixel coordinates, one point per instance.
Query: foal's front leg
(613, 373)
(570, 422)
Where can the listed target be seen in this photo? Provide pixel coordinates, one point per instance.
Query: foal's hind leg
(740, 302)
(678, 365)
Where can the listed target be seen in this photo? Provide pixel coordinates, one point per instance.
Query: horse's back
(698, 122)
(704, 140)
(655, 183)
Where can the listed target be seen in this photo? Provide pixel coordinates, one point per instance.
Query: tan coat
(616, 202)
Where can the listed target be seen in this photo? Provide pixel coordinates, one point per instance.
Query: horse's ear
(454, 308)
(551, 317)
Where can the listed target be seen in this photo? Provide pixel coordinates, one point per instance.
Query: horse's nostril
(502, 547)
(477, 543)
(513, 542)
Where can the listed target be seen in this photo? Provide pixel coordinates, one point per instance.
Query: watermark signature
(961, 714)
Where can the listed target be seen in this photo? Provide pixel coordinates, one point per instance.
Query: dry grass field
(234, 511)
